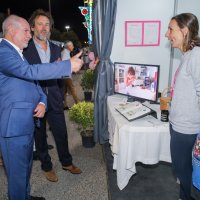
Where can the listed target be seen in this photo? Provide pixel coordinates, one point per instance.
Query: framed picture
(142, 33)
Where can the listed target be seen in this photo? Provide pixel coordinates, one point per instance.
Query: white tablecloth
(145, 140)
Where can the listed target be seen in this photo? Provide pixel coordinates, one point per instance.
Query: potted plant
(87, 83)
(82, 113)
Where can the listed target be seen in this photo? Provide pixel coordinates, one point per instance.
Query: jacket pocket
(20, 121)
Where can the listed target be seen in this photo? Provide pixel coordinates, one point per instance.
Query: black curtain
(104, 16)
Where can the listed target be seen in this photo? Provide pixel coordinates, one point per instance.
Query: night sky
(64, 12)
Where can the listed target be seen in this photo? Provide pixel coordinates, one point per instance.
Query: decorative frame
(142, 33)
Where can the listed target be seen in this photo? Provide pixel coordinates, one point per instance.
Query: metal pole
(50, 6)
(8, 11)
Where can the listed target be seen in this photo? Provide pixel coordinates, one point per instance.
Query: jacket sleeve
(43, 97)
(13, 65)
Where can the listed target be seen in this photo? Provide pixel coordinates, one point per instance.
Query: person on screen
(130, 76)
(184, 113)
(130, 79)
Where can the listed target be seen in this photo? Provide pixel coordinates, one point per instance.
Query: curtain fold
(104, 16)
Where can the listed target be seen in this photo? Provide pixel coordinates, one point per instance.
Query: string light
(86, 11)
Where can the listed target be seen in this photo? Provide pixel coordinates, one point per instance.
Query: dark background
(64, 12)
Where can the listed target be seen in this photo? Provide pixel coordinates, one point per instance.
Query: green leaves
(82, 113)
(88, 80)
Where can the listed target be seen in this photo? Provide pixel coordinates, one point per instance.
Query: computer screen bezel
(140, 64)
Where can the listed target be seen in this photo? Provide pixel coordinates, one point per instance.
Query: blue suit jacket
(55, 87)
(18, 93)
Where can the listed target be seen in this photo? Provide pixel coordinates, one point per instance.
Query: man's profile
(21, 101)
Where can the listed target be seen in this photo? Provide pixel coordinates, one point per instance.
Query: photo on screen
(137, 80)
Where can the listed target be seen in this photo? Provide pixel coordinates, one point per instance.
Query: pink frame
(142, 36)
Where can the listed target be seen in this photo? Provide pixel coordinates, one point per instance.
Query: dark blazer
(18, 93)
(54, 88)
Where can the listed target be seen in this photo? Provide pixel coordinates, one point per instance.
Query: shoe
(72, 168)
(51, 176)
(50, 146)
(36, 198)
(66, 108)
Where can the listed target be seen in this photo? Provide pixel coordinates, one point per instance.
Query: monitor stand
(132, 99)
(153, 113)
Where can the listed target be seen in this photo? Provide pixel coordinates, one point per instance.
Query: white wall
(151, 10)
(192, 6)
(144, 10)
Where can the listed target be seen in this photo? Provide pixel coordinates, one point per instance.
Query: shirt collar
(37, 44)
(16, 48)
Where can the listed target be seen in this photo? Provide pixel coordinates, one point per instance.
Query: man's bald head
(12, 20)
(17, 30)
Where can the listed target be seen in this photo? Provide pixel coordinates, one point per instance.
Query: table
(145, 140)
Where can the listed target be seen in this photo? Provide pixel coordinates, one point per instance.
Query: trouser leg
(42, 145)
(17, 155)
(57, 123)
(181, 146)
(72, 90)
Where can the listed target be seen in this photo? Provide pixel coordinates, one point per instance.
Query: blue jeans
(181, 146)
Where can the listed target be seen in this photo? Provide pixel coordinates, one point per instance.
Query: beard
(42, 37)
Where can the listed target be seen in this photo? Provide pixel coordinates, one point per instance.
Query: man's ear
(10, 29)
(32, 28)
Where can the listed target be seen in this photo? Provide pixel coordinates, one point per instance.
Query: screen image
(137, 80)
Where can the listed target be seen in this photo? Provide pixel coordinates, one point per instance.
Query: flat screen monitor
(138, 81)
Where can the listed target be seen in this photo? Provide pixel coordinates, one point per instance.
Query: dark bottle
(164, 115)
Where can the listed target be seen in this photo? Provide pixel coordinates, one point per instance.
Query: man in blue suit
(41, 50)
(22, 101)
